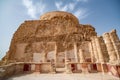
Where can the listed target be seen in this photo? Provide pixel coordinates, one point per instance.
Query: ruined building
(57, 43)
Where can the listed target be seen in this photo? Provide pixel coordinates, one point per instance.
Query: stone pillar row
(113, 46)
(94, 48)
(105, 48)
(116, 43)
(110, 48)
(98, 50)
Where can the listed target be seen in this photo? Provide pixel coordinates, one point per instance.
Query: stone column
(110, 48)
(45, 57)
(55, 55)
(75, 52)
(82, 56)
(91, 52)
(66, 62)
(104, 49)
(95, 49)
(67, 66)
(115, 41)
(99, 49)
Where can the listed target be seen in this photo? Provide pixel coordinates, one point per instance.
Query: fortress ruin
(58, 43)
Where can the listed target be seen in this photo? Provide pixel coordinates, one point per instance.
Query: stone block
(45, 68)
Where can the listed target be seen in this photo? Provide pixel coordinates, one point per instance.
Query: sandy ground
(92, 76)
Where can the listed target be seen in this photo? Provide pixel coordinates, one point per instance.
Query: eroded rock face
(62, 28)
(60, 17)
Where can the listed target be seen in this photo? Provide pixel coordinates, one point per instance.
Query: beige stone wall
(20, 52)
(45, 68)
(85, 47)
(70, 55)
(50, 55)
(38, 32)
(60, 61)
(8, 70)
(38, 57)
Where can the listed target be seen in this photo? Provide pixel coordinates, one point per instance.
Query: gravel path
(36, 76)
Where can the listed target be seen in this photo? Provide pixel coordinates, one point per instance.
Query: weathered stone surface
(60, 27)
(82, 56)
(115, 41)
(110, 48)
(95, 49)
(99, 49)
(59, 42)
(91, 52)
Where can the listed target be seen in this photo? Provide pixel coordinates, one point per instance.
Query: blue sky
(104, 15)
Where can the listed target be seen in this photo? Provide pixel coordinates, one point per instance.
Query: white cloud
(72, 6)
(82, 0)
(66, 7)
(40, 7)
(33, 9)
(58, 4)
(60, 7)
(81, 13)
(30, 7)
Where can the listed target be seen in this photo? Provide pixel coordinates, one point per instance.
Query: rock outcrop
(60, 27)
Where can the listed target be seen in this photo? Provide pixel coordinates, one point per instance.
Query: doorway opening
(26, 67)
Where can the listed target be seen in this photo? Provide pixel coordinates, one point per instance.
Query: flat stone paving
(85, 76)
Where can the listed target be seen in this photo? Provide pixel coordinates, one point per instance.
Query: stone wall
(45, 31)
(9, 70)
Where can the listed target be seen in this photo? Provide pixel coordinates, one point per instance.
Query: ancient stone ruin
(58, 43)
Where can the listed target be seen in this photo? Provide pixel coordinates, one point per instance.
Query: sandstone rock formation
(60, 34)
(37, 35)
(59, 43)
